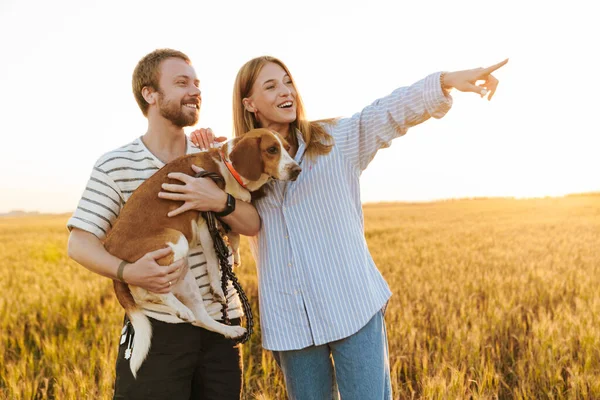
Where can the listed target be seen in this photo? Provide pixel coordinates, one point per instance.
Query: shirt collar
(189, 149)
(301, 147)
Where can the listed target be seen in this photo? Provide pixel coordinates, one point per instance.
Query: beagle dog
(246, 164)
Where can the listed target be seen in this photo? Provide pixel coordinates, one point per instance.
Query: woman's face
(273, 96)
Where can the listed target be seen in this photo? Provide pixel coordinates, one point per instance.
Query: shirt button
(286, 236)
(289, 264)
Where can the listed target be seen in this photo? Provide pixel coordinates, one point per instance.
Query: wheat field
(493, 299)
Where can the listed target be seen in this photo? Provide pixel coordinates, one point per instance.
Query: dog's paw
(217, 292)
(186, 314)
(234, 332)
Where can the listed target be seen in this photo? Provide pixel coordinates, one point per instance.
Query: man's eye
(272, 150)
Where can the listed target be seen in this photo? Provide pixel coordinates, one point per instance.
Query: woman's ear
(150, 95)
(248, 105)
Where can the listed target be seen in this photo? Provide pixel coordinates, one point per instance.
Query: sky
(66, 66)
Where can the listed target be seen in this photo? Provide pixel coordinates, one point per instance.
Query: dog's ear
(246, 158)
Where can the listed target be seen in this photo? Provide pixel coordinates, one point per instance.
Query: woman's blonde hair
(318, 141)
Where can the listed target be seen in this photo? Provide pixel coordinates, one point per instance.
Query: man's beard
(175, 112)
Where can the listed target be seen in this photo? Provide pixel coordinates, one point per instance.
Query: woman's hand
(466, 80)
(205, 139)
(200, 194)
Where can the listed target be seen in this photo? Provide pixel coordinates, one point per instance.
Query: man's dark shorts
(185, 362)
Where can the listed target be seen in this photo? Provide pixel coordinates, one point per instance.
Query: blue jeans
(358, 366)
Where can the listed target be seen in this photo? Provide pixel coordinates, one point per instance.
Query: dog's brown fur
(152, 213)
(143, 226)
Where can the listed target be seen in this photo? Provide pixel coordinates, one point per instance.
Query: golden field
(493, 299)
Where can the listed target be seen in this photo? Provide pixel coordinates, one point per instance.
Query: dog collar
(232, 170)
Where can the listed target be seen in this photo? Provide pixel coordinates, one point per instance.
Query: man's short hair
(147, 73)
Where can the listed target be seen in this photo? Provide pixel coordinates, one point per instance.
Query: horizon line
(17, 212)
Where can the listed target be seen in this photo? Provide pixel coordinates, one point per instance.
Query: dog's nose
(294, 172)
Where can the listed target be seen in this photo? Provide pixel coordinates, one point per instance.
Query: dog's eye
(272, 150)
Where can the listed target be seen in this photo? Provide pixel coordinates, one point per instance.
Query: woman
(321, 296)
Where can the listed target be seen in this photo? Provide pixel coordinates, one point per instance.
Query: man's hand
(200, 194)
(148, 274)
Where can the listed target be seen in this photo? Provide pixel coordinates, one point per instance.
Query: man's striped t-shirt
(114, 178)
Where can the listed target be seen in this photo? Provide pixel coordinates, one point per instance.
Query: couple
(321, 296)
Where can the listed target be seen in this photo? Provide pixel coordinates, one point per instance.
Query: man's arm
(86, 249)
(203, 194)
(244, 219)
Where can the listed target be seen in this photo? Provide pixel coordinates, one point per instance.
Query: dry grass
(493, 298)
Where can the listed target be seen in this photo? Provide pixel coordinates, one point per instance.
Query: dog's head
(262, 154)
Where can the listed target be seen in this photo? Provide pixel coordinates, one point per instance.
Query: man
(184, 361)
